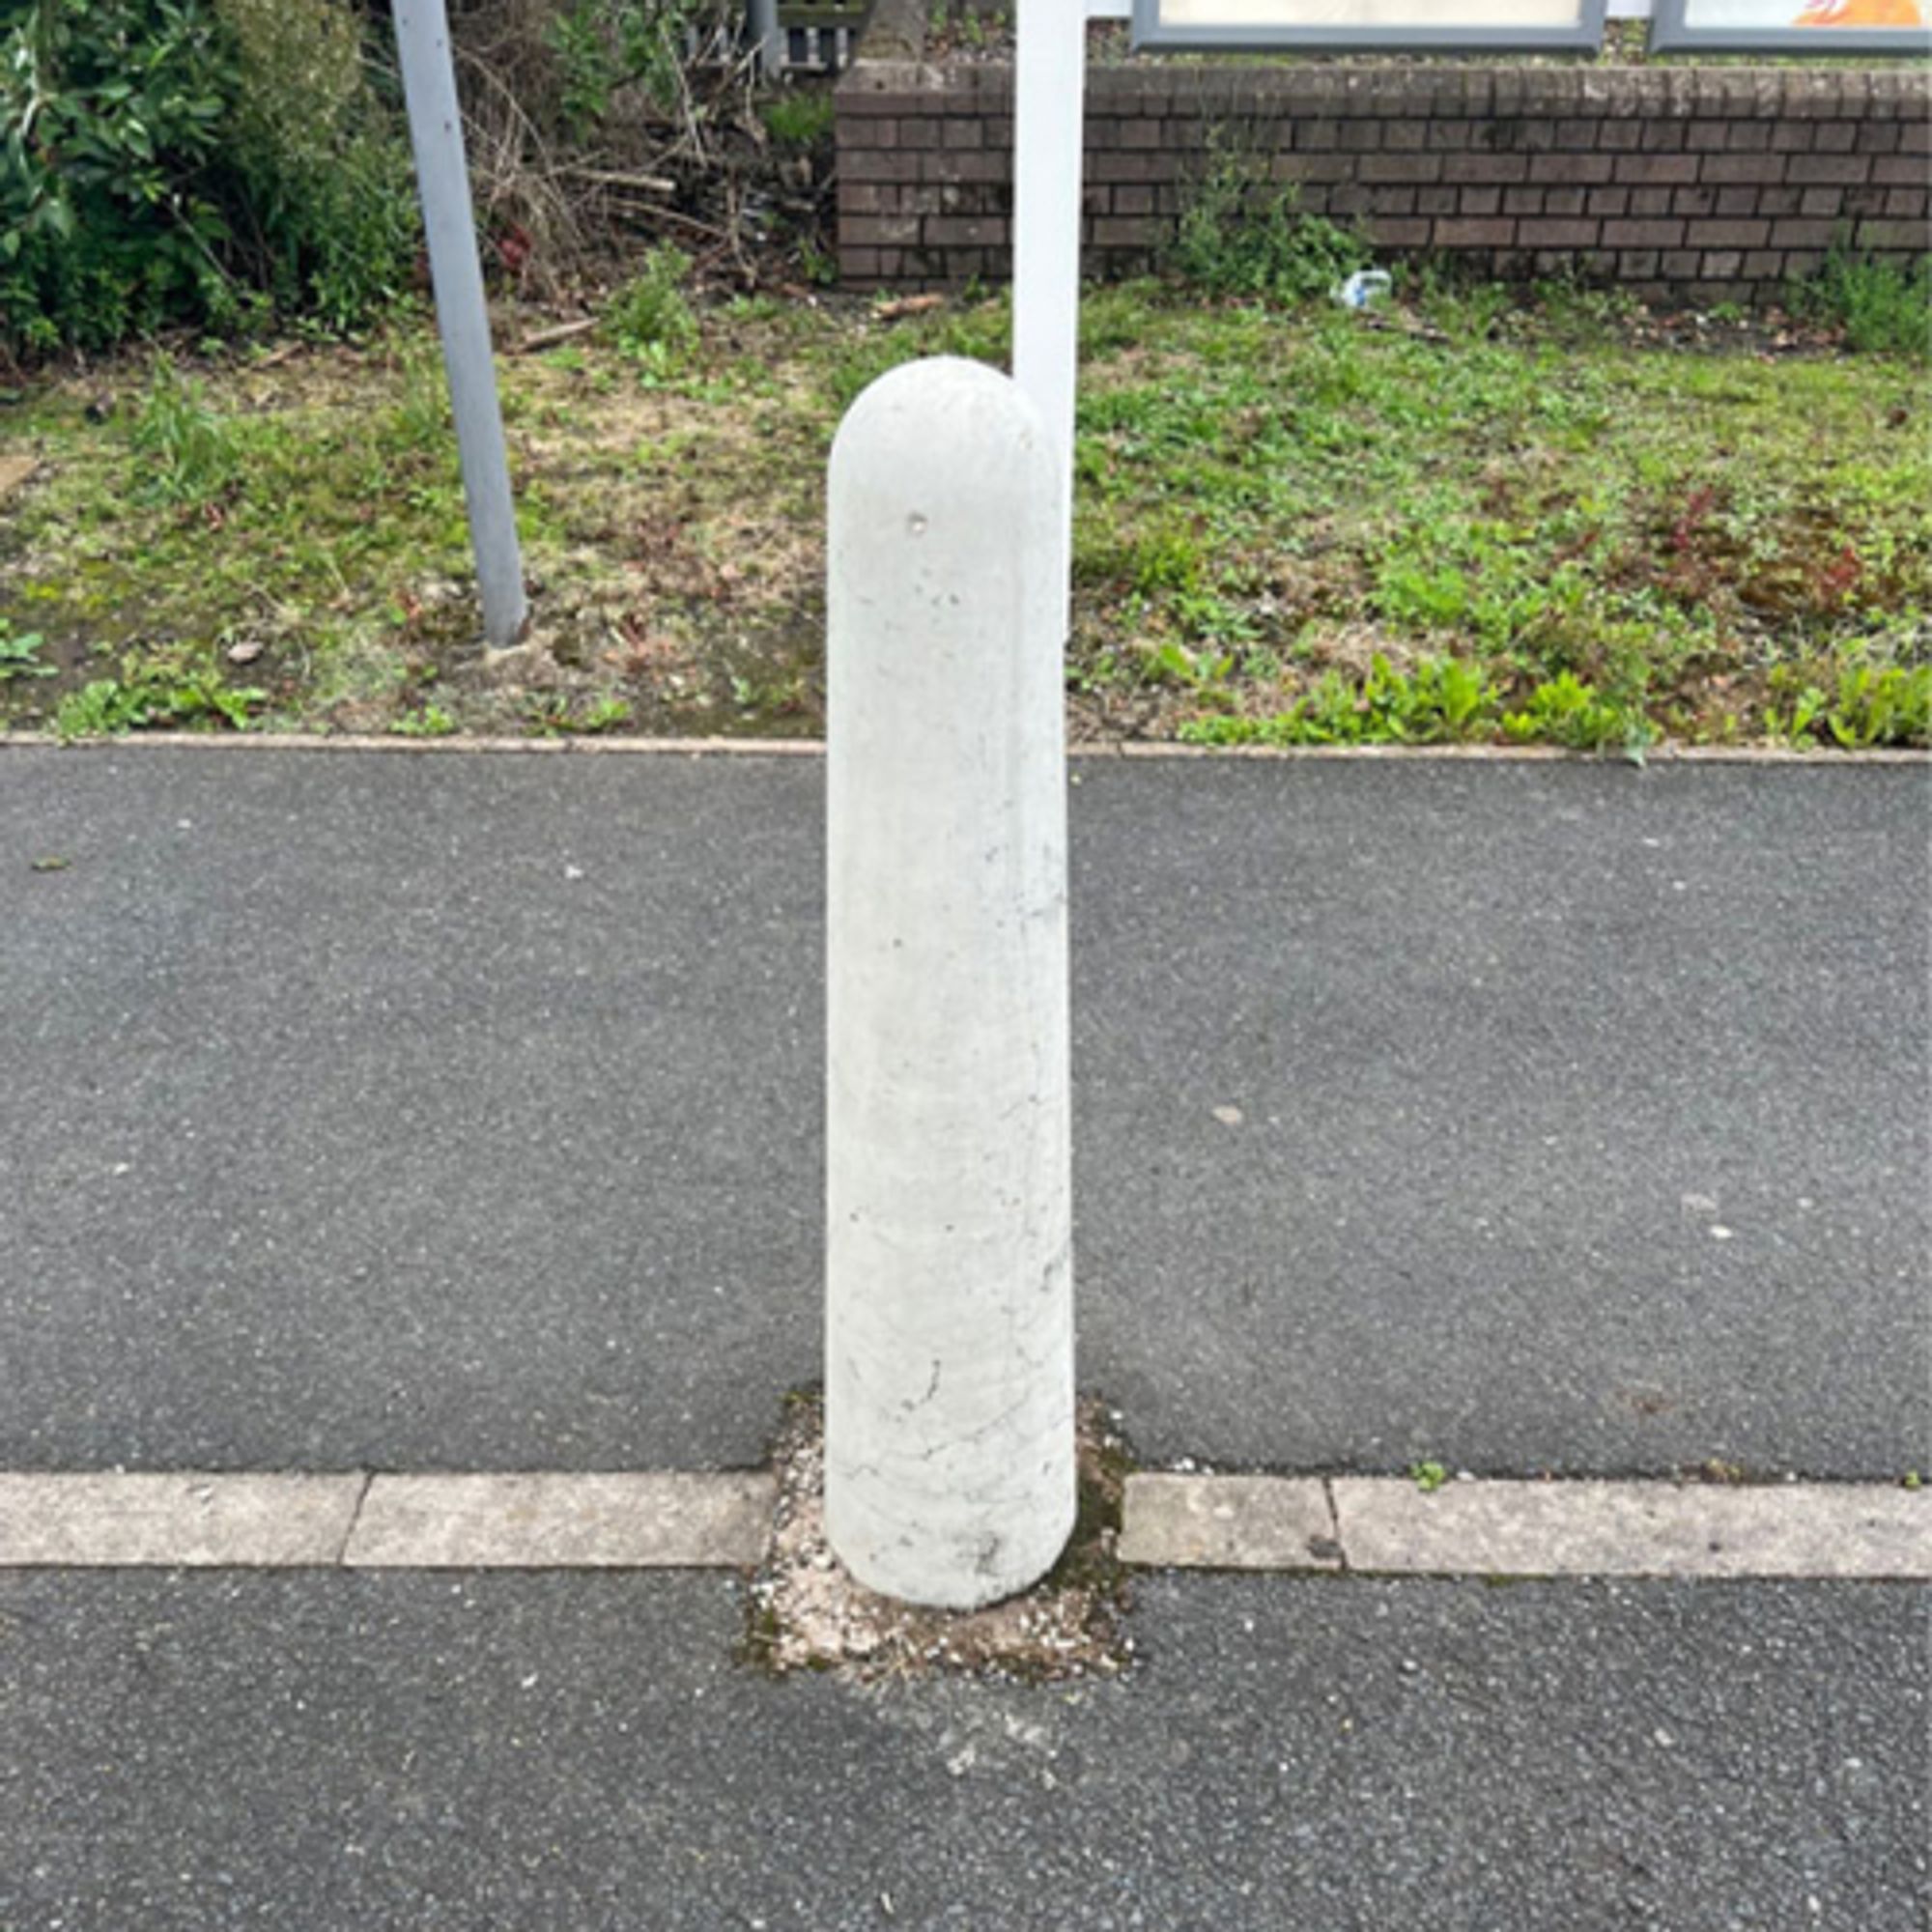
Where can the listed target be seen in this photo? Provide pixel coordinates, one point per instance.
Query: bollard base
(808, 1612)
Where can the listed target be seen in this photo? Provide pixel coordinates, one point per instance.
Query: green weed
(1884, 308)
(189, 454)
(650, 319)
(1240, 233)
(20, 654)
(1428, 1477)
(152, 692)
(799, 117)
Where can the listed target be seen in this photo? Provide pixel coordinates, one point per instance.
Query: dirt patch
(808, 1613)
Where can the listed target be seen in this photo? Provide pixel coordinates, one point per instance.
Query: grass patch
(1451, 520)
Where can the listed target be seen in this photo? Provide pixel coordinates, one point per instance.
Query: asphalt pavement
(465, 1112)
(383, 1110)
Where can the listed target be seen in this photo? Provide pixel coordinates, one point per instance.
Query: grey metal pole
(435, 132)
(763, 17)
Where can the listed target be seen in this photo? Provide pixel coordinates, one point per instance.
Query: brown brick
(1878, 137)
(1764, 264)
(1642, 234)
(1436, 200)
(1609, 201)
(921, 132)
(1724, 267)
(1707, 136)
(1317, 136)
(1404, 167)
(1833, 137)
(1914, 138)
(1660, 136)
(1548, 234)
(1901, 171)
(1866, 200)
(1566, 201)
(1478, 201)
(1451, 137)
(957, 133)
(1577, 134)
(1119, 167)
(1140, 134)
(1693, 201)
(1806, 234)
(1905, 204)
(1658, 170)
(878, 168)
(1648, 201)
(1633, 263)
(1792, 137)
(858, 265)
(863, 197)
(1485, 168)
(1823, 201)
(1748, 137)
(1398, 231)
(1799, 263)
(1523, 201)
(874, 230)
(1311, 170)
(1727, 234)
(969, 230)
(1138, 232)
(1724, 169)
(1679, 263)
(1465, 233)
(1392, 198)
(1846, 170)
(1359, 137)
(1906, 236)
(1133, 200)
(1404, 137)
(1620, 136)
(1572, 170)
(984, 169)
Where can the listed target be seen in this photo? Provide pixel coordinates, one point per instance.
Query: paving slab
(178, 1520)
(463, 1113)
(390, 1751)
(668, 1520)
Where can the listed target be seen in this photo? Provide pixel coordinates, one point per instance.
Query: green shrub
(190, 162)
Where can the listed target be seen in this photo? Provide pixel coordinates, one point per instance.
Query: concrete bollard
(948, 1456)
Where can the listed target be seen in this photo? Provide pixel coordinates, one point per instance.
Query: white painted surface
(949, 1475)
(436, 133)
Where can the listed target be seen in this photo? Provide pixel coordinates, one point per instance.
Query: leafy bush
(190, 162)
(649, 318)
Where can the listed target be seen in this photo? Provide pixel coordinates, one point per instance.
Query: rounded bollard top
(943, 408)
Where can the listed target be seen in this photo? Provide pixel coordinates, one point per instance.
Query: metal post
(1049, 86)
(949, 1462)
(435, 132)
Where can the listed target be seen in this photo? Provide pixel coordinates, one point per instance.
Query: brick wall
(1680, 183)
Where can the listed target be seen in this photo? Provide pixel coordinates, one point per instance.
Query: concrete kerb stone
(1390, 1526)
(118, 1519)
(632, 1521)
(688, 1520)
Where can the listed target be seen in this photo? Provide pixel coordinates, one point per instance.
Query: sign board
(1793, 26)
(1378, 26)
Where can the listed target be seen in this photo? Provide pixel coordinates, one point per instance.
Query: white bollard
(949, 1406)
